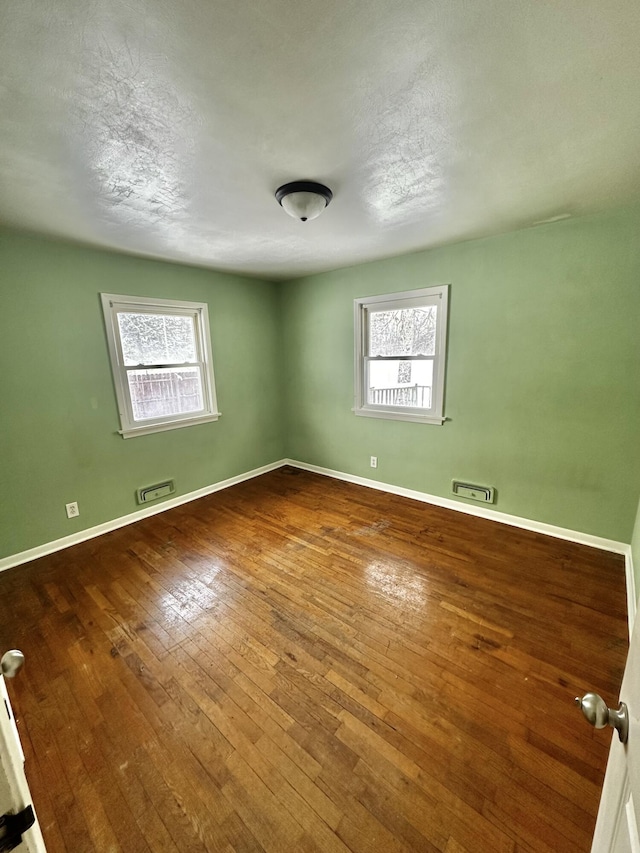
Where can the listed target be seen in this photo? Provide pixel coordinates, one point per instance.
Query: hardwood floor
(301, 664)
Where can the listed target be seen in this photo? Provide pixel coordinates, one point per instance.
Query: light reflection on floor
(400, 582)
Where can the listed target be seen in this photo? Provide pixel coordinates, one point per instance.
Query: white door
(14, 791)
(619, 813)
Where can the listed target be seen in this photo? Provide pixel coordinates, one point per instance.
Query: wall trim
(481, 511)
(502, 518)
(631, 588)
(107, 526)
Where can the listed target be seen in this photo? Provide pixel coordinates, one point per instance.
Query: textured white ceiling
(163, 128)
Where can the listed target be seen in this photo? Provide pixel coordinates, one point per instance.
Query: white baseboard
(91, 532)
(501, 517)
(481, 511)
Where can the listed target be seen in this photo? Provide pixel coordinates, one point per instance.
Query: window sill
(167, 425)
(394, 415)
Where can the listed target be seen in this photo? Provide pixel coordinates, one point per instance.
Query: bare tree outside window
(156, 338)
(161, 361)
(402, 332)
(400, 352)
(407, 331)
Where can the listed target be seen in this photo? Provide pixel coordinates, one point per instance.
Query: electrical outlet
(72, 509)
(374, 461)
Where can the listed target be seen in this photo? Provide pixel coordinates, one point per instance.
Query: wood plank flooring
(301, 664)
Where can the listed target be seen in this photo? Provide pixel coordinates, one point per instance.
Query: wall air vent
(159, 490)
(484, 494)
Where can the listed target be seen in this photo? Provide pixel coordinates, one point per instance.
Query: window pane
(157, 338)
(165, 391)
(384, 387)
(407, 331)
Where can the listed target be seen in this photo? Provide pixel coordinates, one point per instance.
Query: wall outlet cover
(72, 509)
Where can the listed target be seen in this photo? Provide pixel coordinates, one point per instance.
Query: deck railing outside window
(418, 396)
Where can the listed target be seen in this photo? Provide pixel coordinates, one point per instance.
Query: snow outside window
(161, 362)
(400, 347)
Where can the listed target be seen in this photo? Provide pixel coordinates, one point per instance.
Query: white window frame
(111, 304)
(439, 296)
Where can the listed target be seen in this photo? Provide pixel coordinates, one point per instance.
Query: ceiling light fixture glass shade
(304, 200)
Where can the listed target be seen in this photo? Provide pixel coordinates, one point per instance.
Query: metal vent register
(159, 490)
(484, 494)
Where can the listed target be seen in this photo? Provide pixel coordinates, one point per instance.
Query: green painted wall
(543, 394)
(543, 387)
(58, 439)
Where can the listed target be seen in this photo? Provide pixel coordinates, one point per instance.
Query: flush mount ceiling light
(303, 200)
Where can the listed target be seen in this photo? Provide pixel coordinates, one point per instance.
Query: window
(161, 361)
(400, 355)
